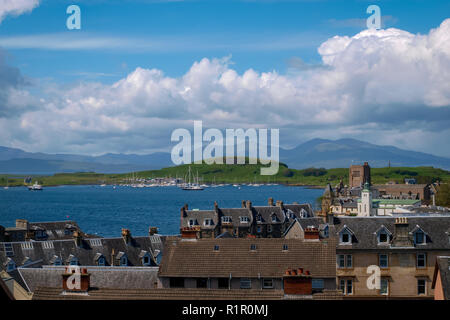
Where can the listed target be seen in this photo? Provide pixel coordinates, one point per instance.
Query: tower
(365, 206)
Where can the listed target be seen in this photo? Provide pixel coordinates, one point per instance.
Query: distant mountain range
(314, 153)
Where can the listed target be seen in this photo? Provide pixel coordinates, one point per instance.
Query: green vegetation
(243, 173)
(443, 196)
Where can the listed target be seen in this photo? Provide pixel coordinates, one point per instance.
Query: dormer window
(274, 218)
(258, 218)
(226, 219)
(419, 237)
(191, 222)
(10, 265)
(208, 222)
(73, 261)
(57, 261)
(383, 236)
(285, 247)
(244, 219)
(101, 261)
(253, 247)
(124, 261)
(345, 236)
(303, 213)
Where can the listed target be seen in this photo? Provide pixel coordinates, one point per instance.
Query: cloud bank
(385, 86)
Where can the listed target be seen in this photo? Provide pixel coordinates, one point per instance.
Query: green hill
(244, 173)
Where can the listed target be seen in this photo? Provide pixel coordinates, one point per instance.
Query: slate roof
(44, 252)
(443, 265)
(365, 228)
(199, 216)
(267, 212)
(100, 277)
(163, 294)
(235, 257)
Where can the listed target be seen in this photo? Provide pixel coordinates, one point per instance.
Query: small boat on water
(35, 187)
(191, 186)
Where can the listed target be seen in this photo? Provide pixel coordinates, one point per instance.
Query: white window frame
(102, 263)
(386, 281)
(341, 238)
(226, 219)
(244, 219)
(424, 285)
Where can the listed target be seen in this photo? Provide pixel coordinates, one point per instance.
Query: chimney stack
(280, 204)
(77, 236)
(113, 254)
(152, 230)
(311, 233)
(216, 206)
(22, 224)
(401, 234)
(76, 279)
(270, 201)
(248, 204)
(243, 203)
(126, 235)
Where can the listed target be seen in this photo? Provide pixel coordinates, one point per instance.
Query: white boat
(191, 186)
(7, 184)
(35, 187)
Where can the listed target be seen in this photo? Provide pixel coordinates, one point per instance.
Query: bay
(105, 210)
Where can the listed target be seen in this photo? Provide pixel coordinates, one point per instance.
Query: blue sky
(138, 69)
(262, 35)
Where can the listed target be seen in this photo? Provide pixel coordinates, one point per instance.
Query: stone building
(269, 221)
(250, 264)
(358, 175)
(404, 249)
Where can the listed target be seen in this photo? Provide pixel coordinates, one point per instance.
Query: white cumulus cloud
(385, 86)
(16, 7)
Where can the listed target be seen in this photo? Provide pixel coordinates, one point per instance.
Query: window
(419, 237)
(421, 260)
(101, 261)
(345, 261)
(27, 245)
(325, 232)
(274, 218)
(222, 283)
(348, 261)
(57, 262)
(258, 218)
(258, 229)
(176, 282)
(191, 222)
(8, 249)
(346, 286)
(253, 247)
(269, 228)
(216, 248)
(421, 286)
(208, 222)
(383, 236)
(124, 261)
(345, 237)
(267, 283)
(383, 260)
(246, 283)
(202, 283)
(243, 219)
(47, 245)
(95, 242)
(11, 266)
(73, 261)
(317, 285)
(226, 219)
(285, 247)
(146, 260)
(384, 286)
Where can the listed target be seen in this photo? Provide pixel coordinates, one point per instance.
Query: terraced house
(269, 221)
(403, 248)
(290, 266)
